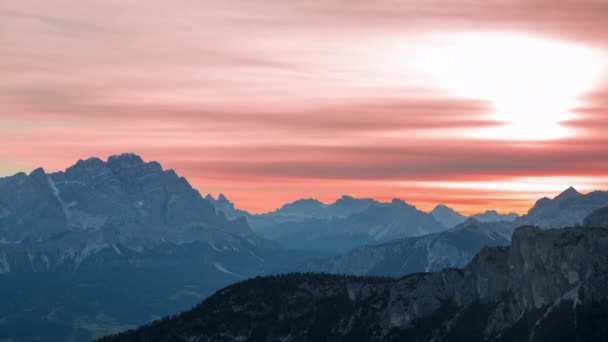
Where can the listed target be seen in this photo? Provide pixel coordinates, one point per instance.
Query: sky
(475, 104)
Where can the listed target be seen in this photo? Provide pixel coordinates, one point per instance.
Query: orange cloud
(276, 100)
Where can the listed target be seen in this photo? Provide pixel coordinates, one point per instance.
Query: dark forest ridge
(547, 286)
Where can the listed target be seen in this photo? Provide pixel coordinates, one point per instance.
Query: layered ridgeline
(567, 209)
(111, 244)
(549, 285)
(456, 247)
(451, 218)
(349, 222)
(309, 224)
(378, 223)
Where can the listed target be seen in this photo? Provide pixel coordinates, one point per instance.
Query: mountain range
(109, 244)
(310, 224)
(548, 285)
(104, 246)
(569, 208)
(455, 247)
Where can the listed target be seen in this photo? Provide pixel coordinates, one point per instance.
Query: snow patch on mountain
(223, 269)
(57, 193)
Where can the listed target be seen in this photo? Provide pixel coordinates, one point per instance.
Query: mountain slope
(427, 253)
(547, 286)
(108, 244)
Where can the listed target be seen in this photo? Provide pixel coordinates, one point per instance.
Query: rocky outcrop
(549, 285)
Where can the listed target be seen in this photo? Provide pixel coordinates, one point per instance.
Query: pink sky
(475, 104)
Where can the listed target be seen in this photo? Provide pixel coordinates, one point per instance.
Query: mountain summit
(447, 216)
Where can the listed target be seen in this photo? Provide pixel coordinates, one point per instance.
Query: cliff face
(548, 285)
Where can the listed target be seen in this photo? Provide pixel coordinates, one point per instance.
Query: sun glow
(533, 84)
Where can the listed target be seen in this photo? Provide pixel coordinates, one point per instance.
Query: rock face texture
(60, 219)
(549, 285)
(428, 253)
(124, 199)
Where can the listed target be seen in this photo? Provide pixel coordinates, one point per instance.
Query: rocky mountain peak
(442, 208)
(127, 199)
(447, 216)
(568, 193)
(400, 202)
(89, 163)
(126, 160)
(565, 210)
(223, 199)
(38, 172)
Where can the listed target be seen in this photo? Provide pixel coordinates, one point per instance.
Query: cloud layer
(276, 100)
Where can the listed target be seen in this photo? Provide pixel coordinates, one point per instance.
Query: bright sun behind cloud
(532, 83)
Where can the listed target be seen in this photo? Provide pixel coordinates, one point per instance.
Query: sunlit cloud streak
(276, 100)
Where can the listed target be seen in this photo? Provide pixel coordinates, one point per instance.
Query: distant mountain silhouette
(378, 223)
(493, 216)
(451, 218)
(567, 209)
(311, 224)
(447, 216)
